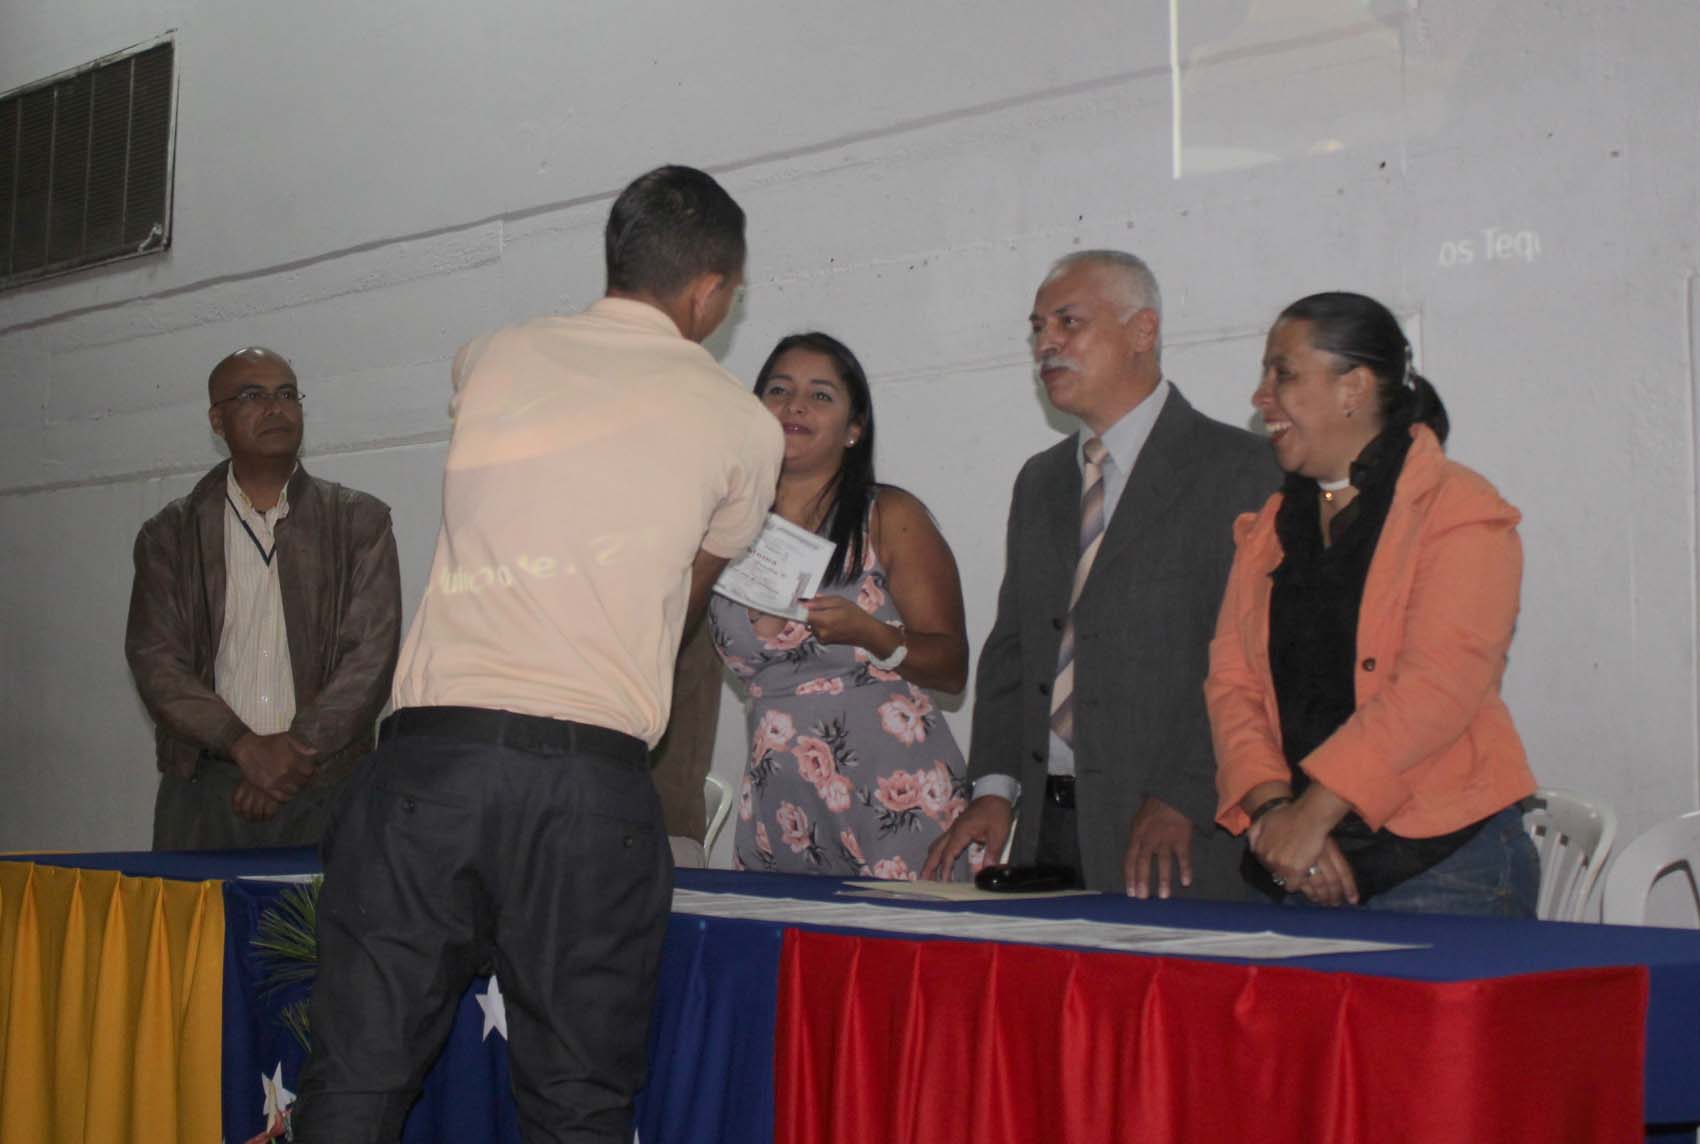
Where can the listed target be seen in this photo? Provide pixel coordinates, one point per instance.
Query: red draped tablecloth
(891, 1040)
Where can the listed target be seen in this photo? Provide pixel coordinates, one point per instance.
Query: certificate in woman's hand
(784, 565)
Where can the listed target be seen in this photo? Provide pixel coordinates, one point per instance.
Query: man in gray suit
(1089, 702)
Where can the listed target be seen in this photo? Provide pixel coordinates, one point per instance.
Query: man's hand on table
(1160, 835)
(987, 821)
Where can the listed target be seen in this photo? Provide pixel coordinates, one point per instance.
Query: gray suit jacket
(1143, 629)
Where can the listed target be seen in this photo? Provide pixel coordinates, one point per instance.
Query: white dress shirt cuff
(1004, 786)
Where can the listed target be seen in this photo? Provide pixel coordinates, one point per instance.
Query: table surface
(1458, 949)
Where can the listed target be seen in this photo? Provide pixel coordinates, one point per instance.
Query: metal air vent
(85, 165)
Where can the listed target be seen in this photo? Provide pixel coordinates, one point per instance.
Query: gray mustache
(1057, 361)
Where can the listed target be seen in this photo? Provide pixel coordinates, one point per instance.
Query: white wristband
(890, 662)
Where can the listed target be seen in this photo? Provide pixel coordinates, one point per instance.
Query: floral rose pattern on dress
(775, 732)
(799, 832)
(872, 596)
(836, 792)
(939, 794)
(851, 768)
(764, 848)
(814, 761)
(907, 717)
(899, 793)
(792, 635)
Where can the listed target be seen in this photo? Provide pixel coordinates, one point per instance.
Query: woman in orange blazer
(1361, 740)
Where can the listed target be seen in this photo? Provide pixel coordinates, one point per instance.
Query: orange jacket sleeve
(1247, 742)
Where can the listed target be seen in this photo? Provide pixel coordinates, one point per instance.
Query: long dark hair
(852, 488)
(1361, 331)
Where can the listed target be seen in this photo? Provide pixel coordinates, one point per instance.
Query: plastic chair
(1663, 847)
(717, 793)
(1573, 837)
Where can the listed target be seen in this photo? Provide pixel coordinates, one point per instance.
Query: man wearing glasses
(264, 622)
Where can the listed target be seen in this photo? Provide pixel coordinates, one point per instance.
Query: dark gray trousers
(447, 855)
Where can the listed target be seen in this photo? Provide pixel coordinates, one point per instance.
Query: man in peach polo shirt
(603, 470)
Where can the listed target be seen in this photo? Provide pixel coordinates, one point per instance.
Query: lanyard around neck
(243, 521)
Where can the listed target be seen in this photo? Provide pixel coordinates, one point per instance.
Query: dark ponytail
(851, 491)
(1361, 331)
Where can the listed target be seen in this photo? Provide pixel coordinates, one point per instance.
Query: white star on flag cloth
(495, 1012)
(278, 1100)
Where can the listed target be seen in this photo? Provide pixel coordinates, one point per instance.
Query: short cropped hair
(669, 227)
(1141, 285)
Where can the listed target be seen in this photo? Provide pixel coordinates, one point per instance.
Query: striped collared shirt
(252, 670)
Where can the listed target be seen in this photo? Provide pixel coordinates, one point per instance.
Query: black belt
(1059, 790)
(534, 733)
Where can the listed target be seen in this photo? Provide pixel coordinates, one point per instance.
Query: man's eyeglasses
(254, 398)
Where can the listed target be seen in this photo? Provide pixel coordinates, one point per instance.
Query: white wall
(365, 186)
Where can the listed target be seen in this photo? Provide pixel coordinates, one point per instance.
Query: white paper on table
(785, 564)
(302, 879)
(943, 892)
(1162, 940)
(1270, 945)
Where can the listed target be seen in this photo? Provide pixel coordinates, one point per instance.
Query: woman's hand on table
(1293, 844)
(1333, 883)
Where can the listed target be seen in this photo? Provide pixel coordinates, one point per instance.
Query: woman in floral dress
(852, 770)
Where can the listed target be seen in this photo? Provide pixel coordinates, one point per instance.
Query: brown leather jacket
(341, 608)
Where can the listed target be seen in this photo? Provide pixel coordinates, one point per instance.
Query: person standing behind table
(852, 769)
(602, 470)
(1089, 700)
(680, 763)
(1354, 680)
(264, 618)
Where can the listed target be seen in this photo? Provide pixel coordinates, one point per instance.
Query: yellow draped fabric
(110, 1005)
